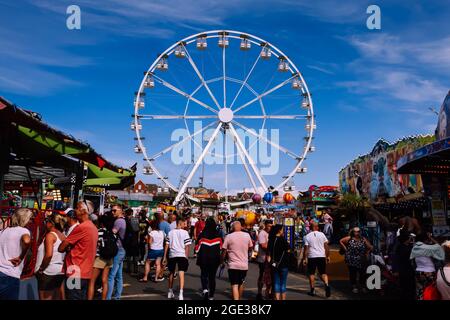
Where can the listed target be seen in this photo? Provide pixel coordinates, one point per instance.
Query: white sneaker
(180, 296)
(171, 295)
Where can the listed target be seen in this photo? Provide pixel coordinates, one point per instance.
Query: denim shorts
(155, 254)
(279, 279)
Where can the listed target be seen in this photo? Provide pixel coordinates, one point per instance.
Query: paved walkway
(297, 287)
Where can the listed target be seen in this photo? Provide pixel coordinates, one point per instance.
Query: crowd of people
(82, 255)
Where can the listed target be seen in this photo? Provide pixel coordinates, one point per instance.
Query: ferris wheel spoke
(261, 137)
(278, 117)
(280, 85)
(184, 94)
(171, 117)
(194, 66)
(247, 170)
(226, 165)
(250, 159)
(197, 163)
(224, 78)
(245, 81)
(169, 148)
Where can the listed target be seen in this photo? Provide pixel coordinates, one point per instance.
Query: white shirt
(315, 241)
(56, 263)
(71, 229)
(173, 225)
(10, 248)
(157, 239)
(193, 221)
(178, 240)
(263, 237)
(425, 264)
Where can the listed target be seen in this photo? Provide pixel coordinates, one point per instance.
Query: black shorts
(182, 263)
(319, 264)
(49, 283)
(237, 277)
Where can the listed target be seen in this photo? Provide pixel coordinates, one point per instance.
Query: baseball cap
(70, 213)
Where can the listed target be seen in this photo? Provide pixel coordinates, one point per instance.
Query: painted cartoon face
(442, 133)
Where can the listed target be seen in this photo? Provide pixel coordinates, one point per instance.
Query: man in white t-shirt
(263, 241)
(316, 256)
(172, 221)
(177, 245)
(193, 221)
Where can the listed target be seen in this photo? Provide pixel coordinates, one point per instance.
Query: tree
(352, 206)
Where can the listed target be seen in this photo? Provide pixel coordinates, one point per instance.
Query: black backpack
(108, 247)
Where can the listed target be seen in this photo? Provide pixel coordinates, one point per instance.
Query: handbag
(431, 292)
(276, 264)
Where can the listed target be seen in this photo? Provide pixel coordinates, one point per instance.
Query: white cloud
(389, 49)
(399, 84)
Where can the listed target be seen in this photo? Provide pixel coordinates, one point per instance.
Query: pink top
(237, 245)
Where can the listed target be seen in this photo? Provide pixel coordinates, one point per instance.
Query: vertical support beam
(250, 159)
(78, 182)
(197, 164)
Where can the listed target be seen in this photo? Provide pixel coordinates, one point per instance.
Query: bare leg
(170, 280)
(105, 275)
(181, 276)
(158, 269)
(91, 287)
(277, 296)
(45, 295)
(283, 296)
(312, 280)
(62, 292)
(146, 270)
(324, 278)
(241, 291)
(235, 291)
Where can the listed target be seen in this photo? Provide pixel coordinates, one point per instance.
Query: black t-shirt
(278, 250)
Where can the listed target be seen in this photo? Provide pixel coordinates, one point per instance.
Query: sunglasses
(114, 210)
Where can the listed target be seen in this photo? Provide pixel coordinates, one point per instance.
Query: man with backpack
(115, 279)
(131, 242)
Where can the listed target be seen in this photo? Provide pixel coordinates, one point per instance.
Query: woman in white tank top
(49, 262)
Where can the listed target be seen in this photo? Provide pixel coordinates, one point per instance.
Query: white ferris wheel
(213, 77)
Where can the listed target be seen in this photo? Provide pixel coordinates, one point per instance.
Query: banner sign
(289, 231)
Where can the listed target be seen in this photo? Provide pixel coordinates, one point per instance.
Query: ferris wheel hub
(226, 115)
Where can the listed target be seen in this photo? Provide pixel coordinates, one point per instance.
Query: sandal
(143, 280)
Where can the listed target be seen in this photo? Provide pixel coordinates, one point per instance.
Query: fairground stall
(432, 163)
(316, 199)
(41, 167)
(46, 170)
(375, 179)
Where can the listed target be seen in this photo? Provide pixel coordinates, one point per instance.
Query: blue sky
(366, 84)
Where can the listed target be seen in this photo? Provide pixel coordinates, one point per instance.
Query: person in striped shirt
(208, 249)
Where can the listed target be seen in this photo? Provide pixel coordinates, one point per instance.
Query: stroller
(389, 281)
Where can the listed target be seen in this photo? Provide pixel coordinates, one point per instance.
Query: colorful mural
(374, 175)
(443, 127)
